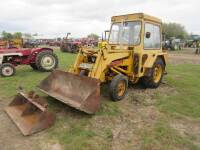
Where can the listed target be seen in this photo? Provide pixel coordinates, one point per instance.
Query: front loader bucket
(76, 91)
(29, 113)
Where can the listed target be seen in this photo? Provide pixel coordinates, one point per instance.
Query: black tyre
(69, 49)
(7, 70)
(156, 75)
(34, 66)
(63, 48)
(75, 49)
(118, 87)
(46, 61)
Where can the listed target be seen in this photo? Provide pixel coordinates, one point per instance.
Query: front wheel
(46, 61)
(118, 87)
(156, 75)
(7, 70)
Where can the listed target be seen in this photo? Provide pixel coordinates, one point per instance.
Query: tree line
(174, 30)
(17, 35)
(9, 36)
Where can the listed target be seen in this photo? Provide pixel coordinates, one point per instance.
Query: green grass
(186, 101)
(74, 136)
(162, 137)
(109, 109)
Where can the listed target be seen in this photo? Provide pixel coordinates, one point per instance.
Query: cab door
(152, 39)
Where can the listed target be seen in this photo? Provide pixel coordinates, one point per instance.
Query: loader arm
(103, 58)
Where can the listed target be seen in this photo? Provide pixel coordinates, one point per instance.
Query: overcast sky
(54, 18)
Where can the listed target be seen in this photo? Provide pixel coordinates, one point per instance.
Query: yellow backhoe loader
(133, 52)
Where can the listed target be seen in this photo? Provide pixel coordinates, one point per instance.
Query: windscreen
(125, 33)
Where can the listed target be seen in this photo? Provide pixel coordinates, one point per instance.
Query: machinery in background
(18, 43)
(68, 45)
(197, 47)
(13, 43)
(173, 44)
(42, 59)
(30, 43)
(73, 45)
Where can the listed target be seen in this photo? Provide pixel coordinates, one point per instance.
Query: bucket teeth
(29, 113)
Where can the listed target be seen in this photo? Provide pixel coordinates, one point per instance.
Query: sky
(55, 18)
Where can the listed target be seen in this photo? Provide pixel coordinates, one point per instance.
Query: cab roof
(135, 16)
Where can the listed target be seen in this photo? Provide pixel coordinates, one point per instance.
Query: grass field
(164, 118)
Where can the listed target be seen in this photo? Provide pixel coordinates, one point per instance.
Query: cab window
(152, 38)
(125, 33)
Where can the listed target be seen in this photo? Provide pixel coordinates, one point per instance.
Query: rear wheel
(156, 75)
(75, 49)
(46, 61)
(118, 87)
(7, 70)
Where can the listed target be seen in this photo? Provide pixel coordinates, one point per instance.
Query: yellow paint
(107, 54)
(18, 43)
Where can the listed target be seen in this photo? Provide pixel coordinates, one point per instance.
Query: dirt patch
(141, 96)
(51, 145)
(138, 111)
(187, 127)
(185, 56)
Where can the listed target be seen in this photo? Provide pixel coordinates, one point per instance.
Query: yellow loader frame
(135, 59)
(116, 64)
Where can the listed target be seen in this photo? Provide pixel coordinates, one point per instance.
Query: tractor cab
(125, 33)
(138, 31)
(141, 35)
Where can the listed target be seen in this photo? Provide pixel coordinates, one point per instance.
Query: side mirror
(148, 35)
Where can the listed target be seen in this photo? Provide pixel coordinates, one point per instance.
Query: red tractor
(42, 59)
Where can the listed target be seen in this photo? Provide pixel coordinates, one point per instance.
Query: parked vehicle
(13, 43)
(173, 44)
(197, 47)
(69, 45)
(42, 59)
(131, 54)
(30, 43)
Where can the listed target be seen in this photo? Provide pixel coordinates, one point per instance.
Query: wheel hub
(121, 88)
(157, 73)
(48, 62)
(7, 71)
